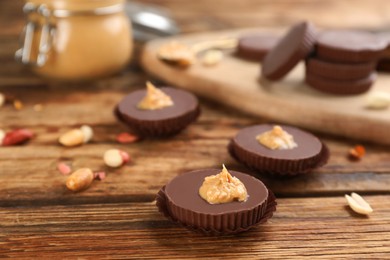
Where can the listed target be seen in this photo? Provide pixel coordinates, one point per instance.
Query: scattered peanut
(99, 175)
(15, 137)
(212, 57)
(357, 152)
(38, 107)
(18, 105)
(64, 168)
(126, 138)
(80, 179)
(73, 137)
(358, 204)
(115, 158)
(76, 137)
(378, 100)
(87, 132)
(2, 135)
(2, 99)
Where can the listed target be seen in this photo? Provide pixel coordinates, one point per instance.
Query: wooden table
(117, 217)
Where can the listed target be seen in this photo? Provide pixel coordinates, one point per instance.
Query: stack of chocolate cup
(344, 62)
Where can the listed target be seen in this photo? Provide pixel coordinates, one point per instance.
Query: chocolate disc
(309, 154)
(386, 37)
(384, 61)
(340, 87)
(293, 47)
(256, 46)
(339, 71)
(183, 204)
(160, 122)
(349, 46)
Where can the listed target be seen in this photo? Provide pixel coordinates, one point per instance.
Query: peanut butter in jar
(76, 39)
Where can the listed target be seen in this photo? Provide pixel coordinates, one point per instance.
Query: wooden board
(237, 83)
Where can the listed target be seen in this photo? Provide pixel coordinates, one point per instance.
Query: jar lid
(66, 8)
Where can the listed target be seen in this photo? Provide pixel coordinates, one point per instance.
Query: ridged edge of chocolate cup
(333, 54)
(383, 65)
(279, 167)
(268, 207)
(385, 54)
(339, 71)
(159, 128)
(218, 223)
(305, 48)
(340, 87)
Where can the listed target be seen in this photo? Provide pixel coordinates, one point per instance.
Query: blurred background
(205, 15)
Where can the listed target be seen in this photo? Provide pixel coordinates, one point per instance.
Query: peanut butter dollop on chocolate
(154, 99)
(277, 139)
(222, 188)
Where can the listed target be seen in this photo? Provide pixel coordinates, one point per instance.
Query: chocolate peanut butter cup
(339, 71)
(296, 45)
(347, 46)
(256, 46)
(340, 87)
(180, 202)
(160, 122)
(307, 154)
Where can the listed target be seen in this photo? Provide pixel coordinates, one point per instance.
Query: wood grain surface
(117, 218)
(305, 227)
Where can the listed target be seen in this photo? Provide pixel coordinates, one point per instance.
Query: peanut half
(80, 179)
(212, 57)
(115, 158)
(358, 204)
(378, 100)
(2, 99)
(77, 136)
(2, 135)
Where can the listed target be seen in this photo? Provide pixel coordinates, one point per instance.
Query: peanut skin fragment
(64, 168)
(357, 152)
(16, 137)
(126, 138)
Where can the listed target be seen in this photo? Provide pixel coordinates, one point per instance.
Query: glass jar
(75, 39)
